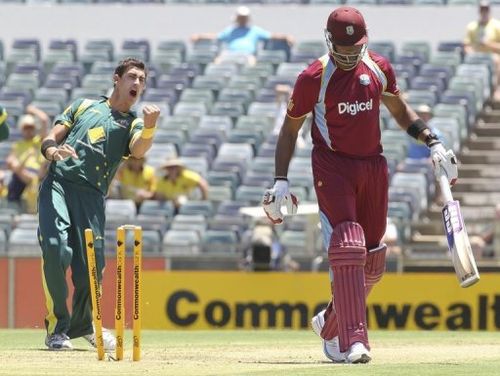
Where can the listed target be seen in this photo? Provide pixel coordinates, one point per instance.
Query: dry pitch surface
(263, 352)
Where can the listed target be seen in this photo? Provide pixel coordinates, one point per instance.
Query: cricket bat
(458, 240)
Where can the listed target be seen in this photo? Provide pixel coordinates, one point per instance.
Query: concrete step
(482, 143)
(480, 156)
(477, 185)
(428, 249)
(428, 227)
(492, 104)
(433, 240)
(490, 115)
(478, 171)
(487, 129)
(477, 198)
(478, 214)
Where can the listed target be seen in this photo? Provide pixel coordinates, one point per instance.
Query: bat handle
(445, 186)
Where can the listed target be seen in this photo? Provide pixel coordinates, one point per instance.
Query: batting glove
(446, 160)
(273, 199)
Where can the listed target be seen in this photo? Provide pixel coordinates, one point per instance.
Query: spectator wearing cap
(136, 181)
(242, 37)
(25, 160)
(178, 182)
(4, 128)
(483, 35)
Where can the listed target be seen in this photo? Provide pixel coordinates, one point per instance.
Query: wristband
(147, 133)
(45, 145)
(431, 139)
(417, 127)
(280, 178)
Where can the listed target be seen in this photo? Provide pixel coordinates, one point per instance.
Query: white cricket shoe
(58, 342)
(107, 337)
(331, 348)
(358, 353)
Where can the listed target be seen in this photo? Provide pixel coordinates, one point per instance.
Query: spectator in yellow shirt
(136, 181)
(483, 35)
(4, 127)
(4, 134)
(3, 186)
(178, 182)
(25, 160)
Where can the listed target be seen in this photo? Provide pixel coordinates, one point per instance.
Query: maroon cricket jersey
(345, 104)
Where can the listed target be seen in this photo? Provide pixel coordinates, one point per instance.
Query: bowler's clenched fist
(151, 114)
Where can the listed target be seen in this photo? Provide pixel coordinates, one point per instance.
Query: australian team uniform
(71, 199)
(350, 173)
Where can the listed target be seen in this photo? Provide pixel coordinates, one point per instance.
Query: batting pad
(347, 256)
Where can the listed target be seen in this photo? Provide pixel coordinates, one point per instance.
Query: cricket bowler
(85, 147)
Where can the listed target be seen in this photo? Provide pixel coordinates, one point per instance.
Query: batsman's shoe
(108, 338)
(331, 348)
(318, 322)
(58, 342)
(358, 353)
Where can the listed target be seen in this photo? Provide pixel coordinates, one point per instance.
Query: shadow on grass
(286, 362)
(61, 351)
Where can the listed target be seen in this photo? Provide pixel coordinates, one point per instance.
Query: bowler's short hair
(128, 63)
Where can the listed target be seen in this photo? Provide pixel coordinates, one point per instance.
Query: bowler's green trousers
(65, 210)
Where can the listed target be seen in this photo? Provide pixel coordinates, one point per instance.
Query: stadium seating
(24, 241)
(218, 116)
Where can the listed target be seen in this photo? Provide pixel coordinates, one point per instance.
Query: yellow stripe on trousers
(49, 303)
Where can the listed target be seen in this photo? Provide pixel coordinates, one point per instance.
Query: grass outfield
(262, 352)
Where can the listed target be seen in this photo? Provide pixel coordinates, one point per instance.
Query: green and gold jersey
(4, 128)
(101, 138)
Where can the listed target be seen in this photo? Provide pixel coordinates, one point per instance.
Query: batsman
(344, 90)
(85, 147)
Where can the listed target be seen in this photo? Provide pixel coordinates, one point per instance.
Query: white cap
(243, 11)
(27, 120)
(484, 4)
(424, 108)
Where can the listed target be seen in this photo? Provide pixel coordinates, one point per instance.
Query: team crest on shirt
(121, 124)
(349, 30)
(364, 79)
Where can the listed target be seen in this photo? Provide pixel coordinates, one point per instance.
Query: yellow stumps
(137, 293)
(120, 289)
(95, 292)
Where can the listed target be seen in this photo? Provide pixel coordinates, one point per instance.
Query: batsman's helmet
(346, 27)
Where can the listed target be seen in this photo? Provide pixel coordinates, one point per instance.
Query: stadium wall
(22, 300)
(159, 22)
(240, 300)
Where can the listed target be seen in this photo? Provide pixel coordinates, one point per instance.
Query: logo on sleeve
(353, 108)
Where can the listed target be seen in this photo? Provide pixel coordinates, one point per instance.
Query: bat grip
(445, 186)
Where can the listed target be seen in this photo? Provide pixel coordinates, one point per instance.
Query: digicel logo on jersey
(353, 108)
